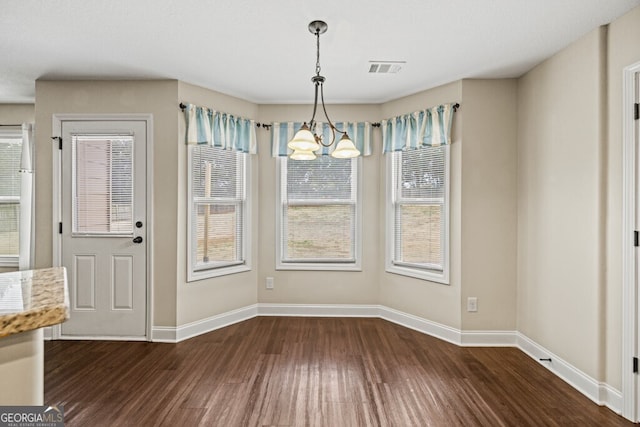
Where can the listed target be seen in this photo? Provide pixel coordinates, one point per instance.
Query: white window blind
(218, 208)
(318, 211)
(102, 184)
(418, 214)
(10, 154)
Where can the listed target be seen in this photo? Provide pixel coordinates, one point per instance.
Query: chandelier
(306, 140)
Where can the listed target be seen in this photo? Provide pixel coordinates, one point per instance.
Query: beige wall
(489, 210)
(330, 287)
(570, 199)
(623, 50)
(16, 114)
(156, 97)
(206, 298)
(561, 105)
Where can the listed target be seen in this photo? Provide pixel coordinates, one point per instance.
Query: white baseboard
(438, 330)
(47, 333)
(189, 330)
(319, 310)
(488, 339)
(611, 398)
(598, 392)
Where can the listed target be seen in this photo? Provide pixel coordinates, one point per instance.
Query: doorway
(102, 233)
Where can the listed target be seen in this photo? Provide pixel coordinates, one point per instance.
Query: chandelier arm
(334, 129)
(325, 112)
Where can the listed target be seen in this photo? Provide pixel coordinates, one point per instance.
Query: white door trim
(57, 120)
(630, 405)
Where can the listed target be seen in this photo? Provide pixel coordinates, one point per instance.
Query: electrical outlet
(472, 304)
(269, 283)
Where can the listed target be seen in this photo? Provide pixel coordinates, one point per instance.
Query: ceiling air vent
(385, 67)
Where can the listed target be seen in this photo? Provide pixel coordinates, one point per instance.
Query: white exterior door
(103, 229)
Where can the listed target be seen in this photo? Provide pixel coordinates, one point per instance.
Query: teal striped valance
(359, 132)
(430, 127)
(207, 126)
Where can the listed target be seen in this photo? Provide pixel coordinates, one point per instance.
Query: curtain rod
(375, 125)
(183, 107)
(13, 126)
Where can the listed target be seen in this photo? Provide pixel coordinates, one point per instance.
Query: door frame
(57, 121)
(630, 169)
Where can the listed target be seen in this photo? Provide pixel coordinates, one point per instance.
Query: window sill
(9, 261)
(193, 276)
(442, 278)
(319, 266)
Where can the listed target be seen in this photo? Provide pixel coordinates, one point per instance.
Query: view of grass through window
(320, 231)
(420, 234)
(217, 241)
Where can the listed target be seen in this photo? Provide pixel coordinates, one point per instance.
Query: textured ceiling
(261, 51)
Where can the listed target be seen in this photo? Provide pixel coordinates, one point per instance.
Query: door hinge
(59, 139)
(636, 239)
(60, 228)
(636, 111)
(635, 365)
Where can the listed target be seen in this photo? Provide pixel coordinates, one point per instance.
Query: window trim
(11, 260)
(318, 264)
(409, 269)
(222, 269)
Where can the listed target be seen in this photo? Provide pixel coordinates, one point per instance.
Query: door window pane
(102, 184)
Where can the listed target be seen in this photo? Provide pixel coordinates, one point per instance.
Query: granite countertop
(32, 299)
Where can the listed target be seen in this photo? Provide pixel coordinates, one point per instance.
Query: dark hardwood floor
(271, 371)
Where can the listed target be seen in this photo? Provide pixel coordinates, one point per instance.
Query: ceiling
(262, 51)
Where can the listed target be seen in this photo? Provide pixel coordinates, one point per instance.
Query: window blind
(318, 217)
(419, 207)
(10, 154)
(102, 184)
(218, 193)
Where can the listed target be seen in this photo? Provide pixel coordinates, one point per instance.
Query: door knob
(137, 239)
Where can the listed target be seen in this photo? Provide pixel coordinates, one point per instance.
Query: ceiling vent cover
(385, 67)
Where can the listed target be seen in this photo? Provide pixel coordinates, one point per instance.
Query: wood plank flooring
(284, 371)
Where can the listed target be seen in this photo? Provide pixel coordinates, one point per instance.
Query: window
(102, 184)
(218, 212)
(418, 213)
(10, 155)
(318, 218)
